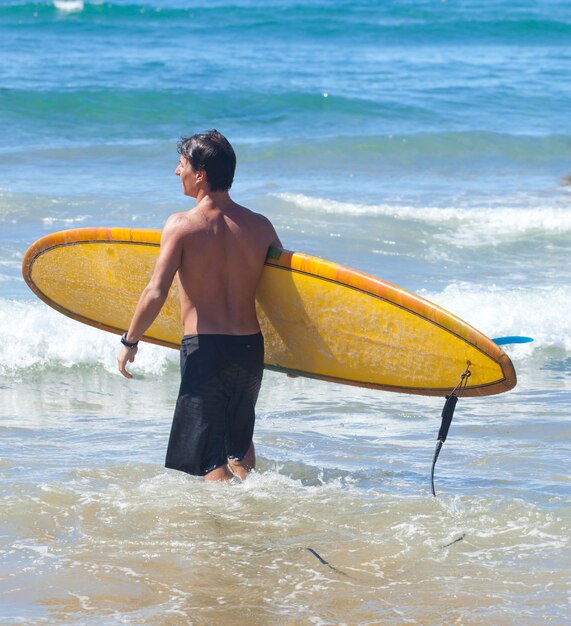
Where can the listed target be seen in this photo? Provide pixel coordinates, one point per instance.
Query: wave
(462, 147)
(473, 225)
(44, 339)
(158, 104)
(392, 23)
(540, 313)
(89, 114)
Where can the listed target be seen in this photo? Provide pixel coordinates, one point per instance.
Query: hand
(126, 355)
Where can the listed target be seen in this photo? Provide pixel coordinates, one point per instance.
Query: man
(218, 249)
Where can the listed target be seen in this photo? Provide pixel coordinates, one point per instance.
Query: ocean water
(425, 142)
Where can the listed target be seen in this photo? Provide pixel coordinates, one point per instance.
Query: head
(211, 153)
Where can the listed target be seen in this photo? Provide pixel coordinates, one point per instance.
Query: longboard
(319, 319)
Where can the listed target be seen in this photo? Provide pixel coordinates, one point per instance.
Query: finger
(122, 369)
(126, 373)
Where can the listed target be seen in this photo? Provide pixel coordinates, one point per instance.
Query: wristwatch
(128, 344)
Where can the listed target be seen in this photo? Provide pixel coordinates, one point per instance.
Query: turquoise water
(428, 143)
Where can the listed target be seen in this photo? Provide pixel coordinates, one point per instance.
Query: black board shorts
(215, 411)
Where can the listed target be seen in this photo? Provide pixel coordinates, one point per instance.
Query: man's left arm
(155, 293)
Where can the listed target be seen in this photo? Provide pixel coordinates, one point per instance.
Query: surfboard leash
(324, 562)
(447, 415)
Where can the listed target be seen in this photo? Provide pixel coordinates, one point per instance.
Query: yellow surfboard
(319, 319)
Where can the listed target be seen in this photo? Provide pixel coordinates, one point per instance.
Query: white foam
(34, 335)
(536, 312)
(69, 6)
(475, 225)
(65, 220)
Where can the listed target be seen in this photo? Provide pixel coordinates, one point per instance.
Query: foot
(244, 466)
(221, 473)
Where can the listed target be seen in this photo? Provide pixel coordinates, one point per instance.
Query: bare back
(223, 254)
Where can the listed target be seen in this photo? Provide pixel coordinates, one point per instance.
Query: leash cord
(447, 415)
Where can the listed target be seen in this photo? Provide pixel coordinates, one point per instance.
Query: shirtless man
(218, 249)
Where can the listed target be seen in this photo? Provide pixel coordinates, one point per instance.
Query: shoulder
(174, 221)
(267, 230)
(262, 228)
(174, 230)
(180, 224)
(256, 219)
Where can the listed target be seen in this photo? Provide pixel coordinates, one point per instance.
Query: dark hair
(210, 151)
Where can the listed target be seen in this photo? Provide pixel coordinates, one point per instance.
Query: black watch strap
(129, 344)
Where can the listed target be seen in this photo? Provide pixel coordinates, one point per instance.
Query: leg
(246, 356)
(243, 467)
(221, 473)
(196, 444)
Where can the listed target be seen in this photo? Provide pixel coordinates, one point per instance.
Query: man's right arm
(155, 293)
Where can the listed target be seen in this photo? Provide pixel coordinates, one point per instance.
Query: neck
(219, 199)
